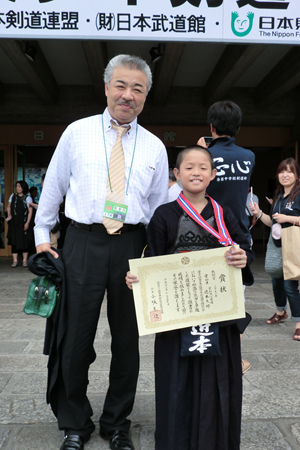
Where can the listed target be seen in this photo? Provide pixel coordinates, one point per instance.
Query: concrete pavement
(271, 420)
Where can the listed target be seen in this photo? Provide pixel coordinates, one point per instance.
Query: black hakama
(198, 398)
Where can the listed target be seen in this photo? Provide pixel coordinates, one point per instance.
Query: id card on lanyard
(115, 211)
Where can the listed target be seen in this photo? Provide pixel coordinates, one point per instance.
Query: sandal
(24, 264)
(297, 335)
(277, 318)
(14, 264)
(246, 365)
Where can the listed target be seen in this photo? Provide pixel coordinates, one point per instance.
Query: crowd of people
(116, 201)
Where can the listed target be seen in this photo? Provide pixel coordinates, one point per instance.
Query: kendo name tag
(115, 211)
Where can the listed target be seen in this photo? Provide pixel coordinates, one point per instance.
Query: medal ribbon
(222, 234)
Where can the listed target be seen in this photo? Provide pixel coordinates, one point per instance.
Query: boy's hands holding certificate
(235, 256)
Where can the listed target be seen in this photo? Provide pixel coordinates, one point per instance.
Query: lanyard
(222, 234)
(107, 165)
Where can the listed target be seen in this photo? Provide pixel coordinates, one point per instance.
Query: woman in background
(19, 214)
(286, 212)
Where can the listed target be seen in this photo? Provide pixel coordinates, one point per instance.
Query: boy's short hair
(186, 150)
(225, 117)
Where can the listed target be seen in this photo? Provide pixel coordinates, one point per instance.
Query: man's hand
(130, 278)
(46, 248)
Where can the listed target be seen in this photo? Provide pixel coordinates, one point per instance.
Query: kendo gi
(198, 398)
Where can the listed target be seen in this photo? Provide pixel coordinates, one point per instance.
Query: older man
(114, 174)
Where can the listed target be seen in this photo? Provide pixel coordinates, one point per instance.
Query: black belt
(100, 228)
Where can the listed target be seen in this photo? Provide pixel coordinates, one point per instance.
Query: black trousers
(96, 262)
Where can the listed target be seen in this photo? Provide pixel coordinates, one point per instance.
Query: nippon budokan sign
(249, 21)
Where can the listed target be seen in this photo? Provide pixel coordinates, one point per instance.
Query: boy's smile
(195, 172)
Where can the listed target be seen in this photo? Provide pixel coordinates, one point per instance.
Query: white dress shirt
(79, 170)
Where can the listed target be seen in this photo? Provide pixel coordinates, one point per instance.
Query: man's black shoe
(118, 440)
(74, 442)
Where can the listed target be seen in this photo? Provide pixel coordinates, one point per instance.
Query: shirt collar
(225, 140)
(107, 125)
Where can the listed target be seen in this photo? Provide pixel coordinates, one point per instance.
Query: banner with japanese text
(249, 21)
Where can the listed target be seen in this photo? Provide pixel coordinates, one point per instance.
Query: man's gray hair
(130, 61)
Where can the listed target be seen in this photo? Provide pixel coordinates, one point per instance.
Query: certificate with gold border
(193, 288)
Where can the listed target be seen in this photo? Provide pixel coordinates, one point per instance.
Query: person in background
(33, 192)
(285, 211)
(19, 214)
(234, 165)
(114, 174)
(174, 188)
(31, 245)
(34, 203)
(2, 218)
(55, 232)
(252, 217)
(64, 223)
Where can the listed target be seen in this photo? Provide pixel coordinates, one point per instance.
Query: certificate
(185, 289)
